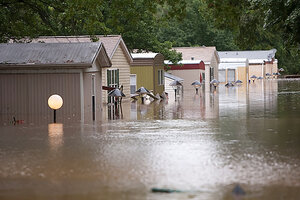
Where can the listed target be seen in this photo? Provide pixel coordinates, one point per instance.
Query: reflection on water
(203, 145)
(55, 134)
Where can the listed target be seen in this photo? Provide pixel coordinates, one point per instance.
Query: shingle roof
(266, 55)
(197, 53)
(110, 43)
(49, 53)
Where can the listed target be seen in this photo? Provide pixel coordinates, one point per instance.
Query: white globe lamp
(55, 102)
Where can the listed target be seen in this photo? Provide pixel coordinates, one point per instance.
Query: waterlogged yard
(201, 145)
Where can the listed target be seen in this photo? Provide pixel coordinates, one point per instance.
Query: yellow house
(208, 55)
(147, 70)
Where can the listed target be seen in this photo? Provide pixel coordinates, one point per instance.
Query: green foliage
(157, 25)
(136, 20)
(263, 24)
(196, 29)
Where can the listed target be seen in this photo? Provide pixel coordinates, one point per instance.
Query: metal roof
(110, 42)
(234, 60)
(49, 53)
(266, 55)
(184, 62)
(175, 78)
(143, 55)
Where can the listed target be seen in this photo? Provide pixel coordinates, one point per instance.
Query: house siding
(144, 76)
(257, 70)
(159, 65)
(25, 96)
(119, 61)
(189, 76)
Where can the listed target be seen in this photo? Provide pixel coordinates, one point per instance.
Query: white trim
(81, 97)
(121, 41)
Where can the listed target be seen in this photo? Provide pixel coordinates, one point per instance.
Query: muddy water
(202, 145)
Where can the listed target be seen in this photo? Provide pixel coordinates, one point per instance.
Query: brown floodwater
(202, 145)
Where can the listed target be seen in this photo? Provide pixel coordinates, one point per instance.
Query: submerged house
(147, 70)
(233, 69)
(119, 73)
(261, 62)
(208, 55)
(188, 70)
(31, 72)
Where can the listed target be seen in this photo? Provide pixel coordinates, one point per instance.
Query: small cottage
(261, 62)
(31, 72)
(147, 70)
(208, 55)
(189, 70)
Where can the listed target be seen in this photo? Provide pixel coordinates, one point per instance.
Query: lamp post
(55, 102)
(142, 92)
(253, 77)
(118, 94)
(175, 85)
(215, 83)
(196, 85)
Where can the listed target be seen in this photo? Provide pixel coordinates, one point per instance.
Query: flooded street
(202, 145)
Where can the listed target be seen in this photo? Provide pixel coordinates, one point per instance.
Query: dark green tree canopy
(158, 25)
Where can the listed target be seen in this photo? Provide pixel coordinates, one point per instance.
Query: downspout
(262, 70)
(154, 83)
(81, 97)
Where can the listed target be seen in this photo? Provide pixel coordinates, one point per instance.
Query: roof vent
(192, 58)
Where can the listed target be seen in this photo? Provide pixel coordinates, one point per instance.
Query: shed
(31, 72)
(189, 70)
(260, 61)
(208, 55)
(232, 69)
(147, 70)
(115, 76)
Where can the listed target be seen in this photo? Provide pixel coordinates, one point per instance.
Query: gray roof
(110, 42)
(50, 53)
(175, 78)
(251, 55)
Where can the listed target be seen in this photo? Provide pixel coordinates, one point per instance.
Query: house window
(132, 83)
(113, 78)
(212, 74)
(112, 81)
(160, 77)
(230, 75)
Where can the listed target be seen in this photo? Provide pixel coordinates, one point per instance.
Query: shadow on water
(204, 145)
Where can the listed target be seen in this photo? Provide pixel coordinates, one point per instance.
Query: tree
(263, 24)
(196, 29)
(136, 20)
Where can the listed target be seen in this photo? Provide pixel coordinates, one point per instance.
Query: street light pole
(55, 102)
